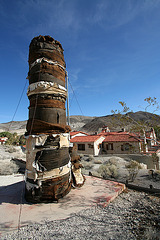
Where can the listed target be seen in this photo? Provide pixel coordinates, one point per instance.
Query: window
(81, 147)
(109, 146)
(125, 147)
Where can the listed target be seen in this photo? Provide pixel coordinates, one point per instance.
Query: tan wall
(87, 149)
(92, 151)
(117, 148)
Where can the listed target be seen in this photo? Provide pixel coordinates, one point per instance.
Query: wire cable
(34, 113)
(18, 105)
(76, 98)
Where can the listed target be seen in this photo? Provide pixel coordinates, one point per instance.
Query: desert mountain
(116, 122)
(94, 124)
(15, 126)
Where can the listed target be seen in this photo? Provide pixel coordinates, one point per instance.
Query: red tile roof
(90, 138)
(106, 133)
(150, 152)
(121, 137)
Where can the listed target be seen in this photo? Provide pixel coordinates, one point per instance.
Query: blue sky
(111, 49)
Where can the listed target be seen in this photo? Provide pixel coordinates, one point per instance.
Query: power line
(76, 98)
(18, 105)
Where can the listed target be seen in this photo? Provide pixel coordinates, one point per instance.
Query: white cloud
(38, 16)
(111, 14)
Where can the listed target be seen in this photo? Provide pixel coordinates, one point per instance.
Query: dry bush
(133, 169)
(151, 233)
(108, 171)
(11, 149)
(90, 158)
(113, 161)
(97, 161)
(87, 166)
(8, 168)
(133, 165)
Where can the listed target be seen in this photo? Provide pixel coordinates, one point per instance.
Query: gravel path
(132, 215)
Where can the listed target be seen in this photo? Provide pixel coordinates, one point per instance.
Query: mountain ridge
(93, 124)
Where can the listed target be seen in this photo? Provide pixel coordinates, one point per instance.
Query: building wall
(134, 148)
(158, 162)
(97, 147)
(88, 148)
(92, 148)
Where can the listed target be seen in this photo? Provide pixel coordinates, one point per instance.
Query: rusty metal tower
(48, 165)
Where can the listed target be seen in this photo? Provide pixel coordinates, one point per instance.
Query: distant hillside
(92, 124)
(14, 126)
(76, 123)
(114, 123)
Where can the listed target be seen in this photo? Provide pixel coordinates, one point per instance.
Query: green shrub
(13, 139)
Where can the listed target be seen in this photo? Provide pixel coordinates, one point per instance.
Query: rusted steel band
(48, 96)
(53, 55)
(36, 126)
(53, 182)
(51, 159)
(47, 103)
(45, 67)
(46, 77)
(48, 115)
(50, 190)
(56, 187)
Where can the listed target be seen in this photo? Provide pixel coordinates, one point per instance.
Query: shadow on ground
(13, 193)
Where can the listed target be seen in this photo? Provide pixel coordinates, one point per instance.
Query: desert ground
(132, 215)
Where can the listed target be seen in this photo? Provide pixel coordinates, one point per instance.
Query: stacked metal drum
(48, 166)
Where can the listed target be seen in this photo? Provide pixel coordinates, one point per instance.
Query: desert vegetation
(8, 154)
(13, 138)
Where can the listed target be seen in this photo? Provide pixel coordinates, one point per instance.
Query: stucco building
(124, 142)
(88, 144)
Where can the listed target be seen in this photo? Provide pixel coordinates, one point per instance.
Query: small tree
(13, 139)
(125, 118)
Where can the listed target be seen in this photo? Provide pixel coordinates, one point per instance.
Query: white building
(77, 134)
(88, 144)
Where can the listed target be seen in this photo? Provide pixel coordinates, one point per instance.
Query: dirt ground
(132, 215)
